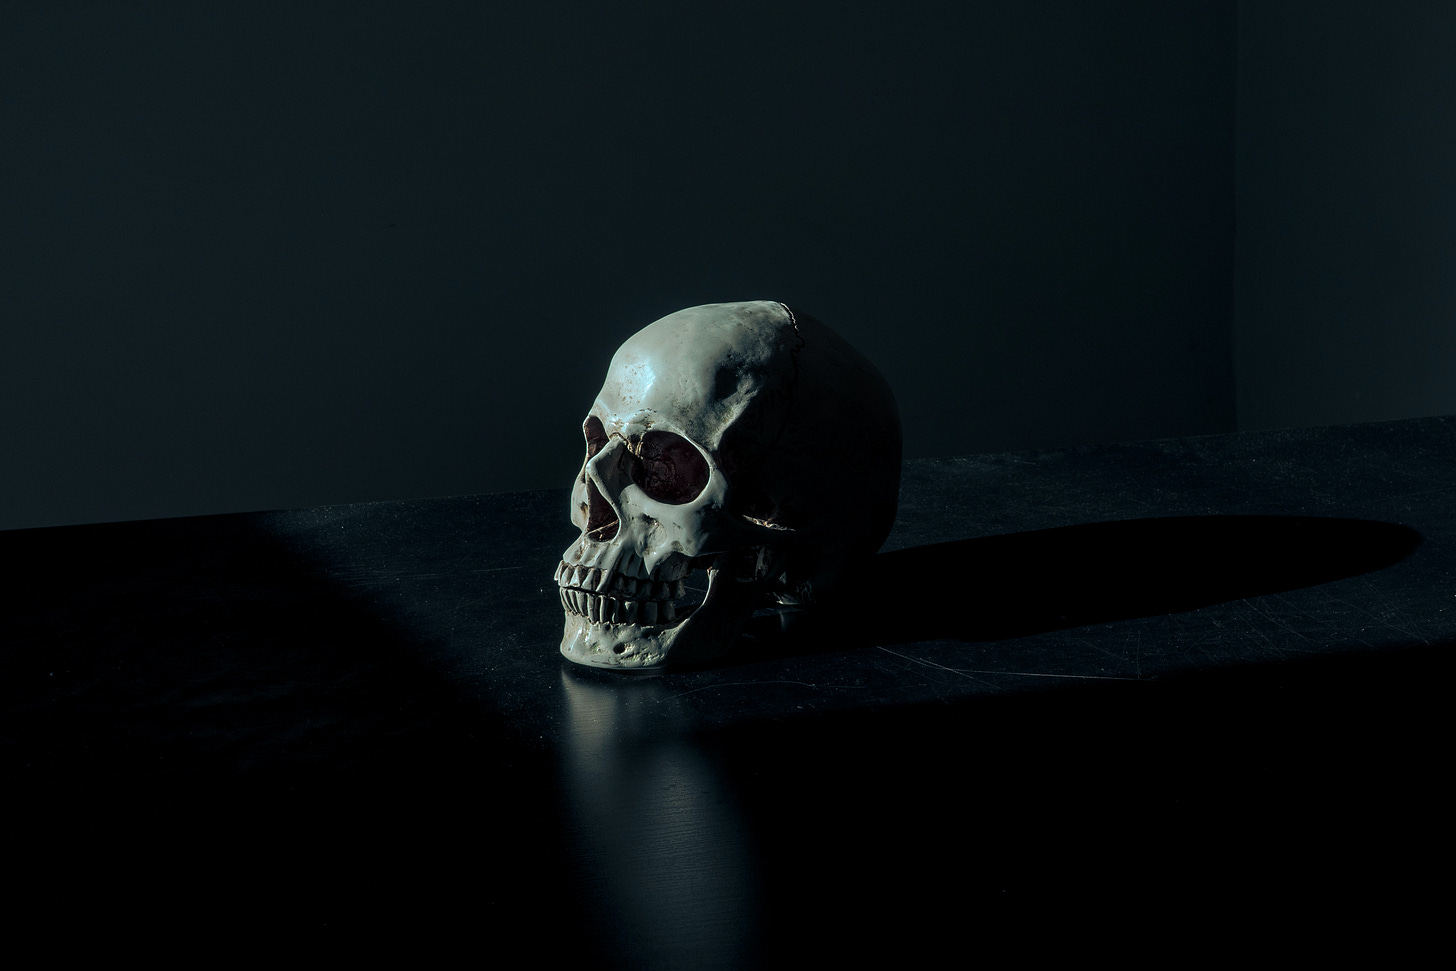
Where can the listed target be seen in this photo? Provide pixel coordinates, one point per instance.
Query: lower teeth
(602, 610)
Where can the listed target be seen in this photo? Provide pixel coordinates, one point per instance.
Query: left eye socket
(669, 468)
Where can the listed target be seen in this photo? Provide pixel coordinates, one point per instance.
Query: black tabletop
(1200, 676)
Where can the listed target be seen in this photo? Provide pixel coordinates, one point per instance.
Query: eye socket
(596, 435)
(669, 468)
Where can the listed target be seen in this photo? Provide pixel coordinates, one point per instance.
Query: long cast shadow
(1018, 584)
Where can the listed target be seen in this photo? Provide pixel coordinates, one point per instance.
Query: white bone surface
(801, 439)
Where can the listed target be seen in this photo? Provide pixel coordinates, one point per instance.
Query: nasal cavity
(601, 520)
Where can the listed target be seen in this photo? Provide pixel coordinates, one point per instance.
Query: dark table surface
(1203, 679)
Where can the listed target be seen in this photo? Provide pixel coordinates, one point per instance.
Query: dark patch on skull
(725, 383)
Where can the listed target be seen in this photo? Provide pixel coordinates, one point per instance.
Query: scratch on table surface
(461, 606)
(1381, 620)
(1389, 603)
(1201, 637)
(1271, 616)
(1254, 631)
(969, 672)
(1399, 611)
(1116, 655)
(1323, 621)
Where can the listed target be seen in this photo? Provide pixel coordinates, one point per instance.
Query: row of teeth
(628, 588)
(628, 563)
(614, 610)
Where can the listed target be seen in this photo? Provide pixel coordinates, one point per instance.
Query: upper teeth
(615, 584)
(606, 598)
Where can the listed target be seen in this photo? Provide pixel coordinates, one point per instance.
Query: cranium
(737, 439)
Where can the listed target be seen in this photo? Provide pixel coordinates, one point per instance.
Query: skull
(738, 455)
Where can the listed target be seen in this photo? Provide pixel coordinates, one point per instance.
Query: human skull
(741, 440)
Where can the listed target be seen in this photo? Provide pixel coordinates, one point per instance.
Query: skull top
(738, 455)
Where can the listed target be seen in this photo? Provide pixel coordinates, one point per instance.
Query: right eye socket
(596, 435)
(669, 468)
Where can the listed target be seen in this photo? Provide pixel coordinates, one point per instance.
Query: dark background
(271, 255)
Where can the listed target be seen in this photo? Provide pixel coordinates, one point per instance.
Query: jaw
(707, 632)
(618, 646)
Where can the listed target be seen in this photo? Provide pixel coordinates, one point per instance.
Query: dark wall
(1346, 262)
(281, 254)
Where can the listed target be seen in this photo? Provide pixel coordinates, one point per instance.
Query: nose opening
(601, 518)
